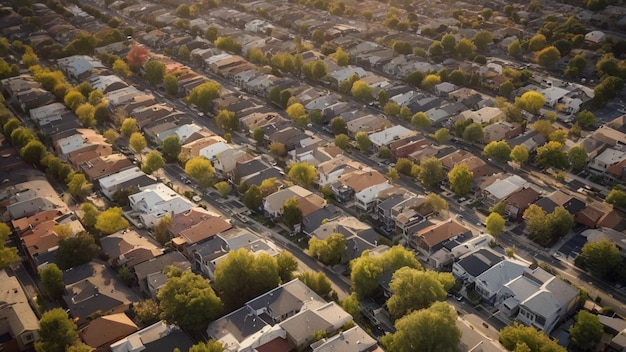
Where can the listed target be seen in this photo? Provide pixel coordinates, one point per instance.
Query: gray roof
(479, 261)
(159, 263)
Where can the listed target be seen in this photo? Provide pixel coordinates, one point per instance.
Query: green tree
(519, 154)
(154, 161)
(210, 346)
(383, 98)
(137, 142)
(329, 250)
(431, 171)
(33, 152)
(363, 141)
(292, 214)
(242, 276)
(602, 258)
(90, 215)
(252, 198)
(436, 202)
(111, 221)
(342, 141)
(536, 341)
(361, 90)
(420, 120)
(211, 33)
(473, 133)
(499, 150)
(457, 77)
(537, 42)
(495, 224)
(188, 301)
(302, 173)
(129, 126)
(548, 56)
(223, 188)
(442, 135)
(392, 175)
(341, 57)
(8, 255)
(448, 42)
(617, 198)
(506, 88)
(161, 229)
(338, 125)
(608, 66)
(437, 327)
(154, 71)
(227, 120)
(287, 264)
(430, 81)
(171, 148)
(414, 78)
(586, 118)
(147, 311)
(414, 289)
(73, 99)
(203, 95)
(461, 179)
(52, 280)
(515, 49)
(201, 170)
(586, 333)
(482, 40)
(78, 186)
(183, 53)
(171, 84)
(76, 250)
(121, 68)
(436, 49)
(465, 48)
(57, 332)
(318, 282)
(552, 154)
(577, 157)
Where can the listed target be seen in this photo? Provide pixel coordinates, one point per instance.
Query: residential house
(329, 318)
(314, 153)
(389, 135)
(155, 201)
(357, 181)
(104, 166)
(402, 147)
(80, 67)
(131, 178)
(429, 240)
(273, 204)
(594, 214)
(196, 226)
(31, 197)
(156, 337)
(128, 248)
(485, 115)
(531, 140)
(74, 140)
(359, 235)
(559, 198)
(123, 96)
(517, 203)
(19, 326)
(290, 137)
(313, 220)
(502, 188)
(491, 281)
(473, 264)
(154, 268)
(367, 124)
(330, 171)
(108, 83)
(618, 238)
(355, 336)
(613, 137)
(93, 288)
(501, 130)
(226, 161)
(607, 159)
(101, 332)
(78, 157)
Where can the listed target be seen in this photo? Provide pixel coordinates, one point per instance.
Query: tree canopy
(495, 224)
(318, 282)
(329, 250)
(203, 95)
(461, 179)
(519, 154)
(498, 150)
(602, 258)
(52, 280)
(201, 170)
(57, 332)
(535, 340)
(547, 228)
(617, 198)
(154, 161)
(431, 171)
(8, 255)
(111, 221)
(414, 289)
(303, 173)
(586, 333)
(76, 250)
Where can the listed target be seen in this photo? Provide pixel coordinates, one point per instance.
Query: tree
(392, 175)
(86, 115)
(402, 47)
(431, 171)
(363, 141)
(8, 255)
(342, 141)
(495, 224)
(90, 215)
(171, 84)
(558, 136)
(76, 250)
(33, 152)
(52, 280)
(329, 250)
(171, 148)
(506, 88)
(536, 341)
(136, 57)
(473, 133)
(252, 198)
(548, 56)
(295, 110)
(201, 170)
(341, 57)
(617, 198)
(537, 42)
(154, 71)
(242, 276)
(442, 135)
(577, 157)
(111, 221)
(586, 118)
(465, 48)
(338, 125)
(437, 328)
(227, 120)
(515, 49)
(183, 53)
(607, 66)
(420, 120)
(57, 332)
(531, 101)
(292, 214)
(211, 33)
(121, 68)
(414, 289)
(154, 161)
(499, 150)
(430, 81)
(73, 99)
(129, 126)
(287, 264)
(436, 49)
(436, 202)
(137, 142)
(318, 282)
(544, 228)
(361, 90)
(161, 229)
(147, 311)
(482, 40)
(188, 301)
(78, 185)
(203, 95)
(457, 77)
(461, 179)
(586, 333)
(448, 42)
(602, 258)
(302, 173)
(552, 154)
(228, 44)
(210, 346)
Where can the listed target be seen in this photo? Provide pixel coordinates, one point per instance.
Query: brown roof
(523, 198)
(91, 152)
(205, 229)
(107, 329)
(617, 169)
(105, 165)
(592, 213)
(276, 345)
(139, 255)
(183, 221)
(452, 159)
(331, 150)
(41, 238)
(309, 205)
(440, 232)
(29, 222)
(613, 220)
(360, 180)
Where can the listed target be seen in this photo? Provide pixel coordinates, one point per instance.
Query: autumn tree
(342, 141)
(461, 179)
(531, 101)
(129, 126)
(78, 186)
(617, 198)
(137, 142)
(147, 311)
(227, 120)
(495, 224)
(420, 120)
(519, 154)
(498, 150)
(552, 154)
(136, 57)
(442, 135)
(361, 90)
(329, 250)
(436, 202)
(201, 170)
(203, 95)
(536, 341)
(303, 173)
(188, 301)
(111, 221)
(154, 161)
(548, 56)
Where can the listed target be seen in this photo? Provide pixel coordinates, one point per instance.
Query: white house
(329, 171)
(386, 136)
(155, 201)
(273, 204)
(553, 95)
(110, 184)
(77, 65)
(365, 198)
(212, 151)
(344, 73)
(489, 283)
(606, 159)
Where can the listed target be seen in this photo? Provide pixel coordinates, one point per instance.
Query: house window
(28, 338)
(540, 320)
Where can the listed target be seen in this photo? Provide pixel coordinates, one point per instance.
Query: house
(79, 67)
(491, 281)
(226, 161)
(531, 140)
(329, 171)
(156, 266)
(127, 248)
(502, 188)
(539, 299)
(485, 115)
(593, 214)
(156, 337)
(93, 288)
(430, 239)
(312, 221)
(274, 203)
(517, 203)
(359, 235)
(559, 198)
(595, 37)
(388, 136)
(31, 197)
(355, 336)
(78, 157)
(211, 144)
(131, 178)
(19, 326)
(367, 124)
(501, 130)
(80, 138)
(108, 83)
(101, 332)
(196, 226)
(155, 201)
(607, 159)
(349, 184)
(471, 265)
(365, 198)
(103, 166)
(553, 95)
(329, 318)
